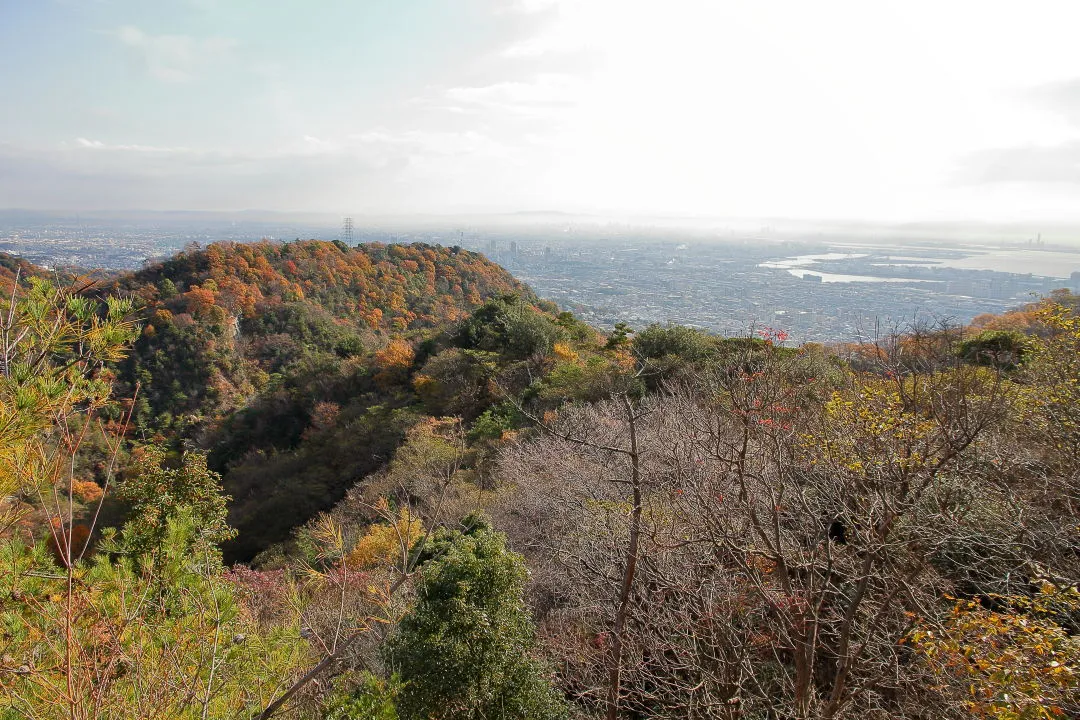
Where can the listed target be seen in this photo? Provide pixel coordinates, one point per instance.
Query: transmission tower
(346, 231)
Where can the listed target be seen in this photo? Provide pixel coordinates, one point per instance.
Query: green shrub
(464, 649)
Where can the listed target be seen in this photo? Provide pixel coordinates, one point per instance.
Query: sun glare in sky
(878, 111)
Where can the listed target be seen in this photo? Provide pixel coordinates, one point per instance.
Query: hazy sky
(874, 110)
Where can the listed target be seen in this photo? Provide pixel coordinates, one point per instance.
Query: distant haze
(965, 111)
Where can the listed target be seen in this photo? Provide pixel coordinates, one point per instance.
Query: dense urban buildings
(816, 288)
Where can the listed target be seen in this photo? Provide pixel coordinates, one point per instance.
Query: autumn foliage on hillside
(221, 319)
(384, 286)
(258, 351)
(12, 267)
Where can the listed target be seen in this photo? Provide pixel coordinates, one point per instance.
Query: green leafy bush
(464, 649)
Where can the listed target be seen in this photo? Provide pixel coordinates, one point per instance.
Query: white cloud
(542, 95)
(1056, 164)
(82, 142)
(569, 27)
(174, 58)
(377, 170)
(1061, 97)
(528, 6)
(315, 144)
(434, 142)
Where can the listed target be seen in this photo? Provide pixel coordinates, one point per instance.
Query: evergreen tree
(464, 650)
(157, 493)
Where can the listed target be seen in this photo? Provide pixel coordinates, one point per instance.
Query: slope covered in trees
(254, 350)
(222, 321)
(537, 520)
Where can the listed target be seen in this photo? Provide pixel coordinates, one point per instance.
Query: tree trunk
(630, 569)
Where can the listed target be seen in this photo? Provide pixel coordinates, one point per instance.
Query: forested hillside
(454, 501)
(253, 350)
(222, 321)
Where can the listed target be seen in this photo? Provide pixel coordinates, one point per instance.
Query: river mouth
(1016, 261)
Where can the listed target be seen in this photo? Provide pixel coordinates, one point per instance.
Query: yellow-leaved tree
(148, 626)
